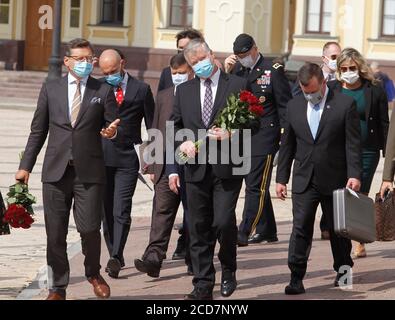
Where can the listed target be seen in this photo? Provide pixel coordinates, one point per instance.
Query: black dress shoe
(295, 287)
(259, 238)
(152, 269)
(200, 294)
(228, 285)
(113, 268)
(242, 239)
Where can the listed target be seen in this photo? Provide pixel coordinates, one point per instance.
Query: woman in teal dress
(356, 79)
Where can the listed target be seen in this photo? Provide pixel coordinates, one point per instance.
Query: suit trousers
(121, 185)
(164, 212)
(304, 210)
(88, 209)
(211, 217)
(258, 214)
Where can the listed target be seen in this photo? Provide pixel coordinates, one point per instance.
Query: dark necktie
(208, 103)
(119, 96)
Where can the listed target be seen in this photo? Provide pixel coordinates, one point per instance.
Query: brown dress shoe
(55, 296)
(100, 287)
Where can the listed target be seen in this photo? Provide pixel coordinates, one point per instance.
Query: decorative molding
(260, 11)
(123, 40)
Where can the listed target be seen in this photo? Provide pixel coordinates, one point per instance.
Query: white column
(354, 29)
(21, 20)
(224, 22)
(143, 33)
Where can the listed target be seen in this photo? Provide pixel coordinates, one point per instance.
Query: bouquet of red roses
(241, 112)
(19, 207)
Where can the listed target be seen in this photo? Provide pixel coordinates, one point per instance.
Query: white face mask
(350, 77)
(179, 78)
(247, 62)
(332, 64)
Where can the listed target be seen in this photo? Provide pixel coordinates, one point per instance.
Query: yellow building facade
(367, 25)
(145, 29)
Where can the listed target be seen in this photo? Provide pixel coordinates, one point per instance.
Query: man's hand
(174, 183)
(281, 190)
(230, 63)
(387, 185)
(22, 176)
(354, 184)
(219, 134)
(189, 148)
(110, 132)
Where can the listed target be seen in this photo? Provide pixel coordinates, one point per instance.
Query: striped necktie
(76, 106)
(208, 103)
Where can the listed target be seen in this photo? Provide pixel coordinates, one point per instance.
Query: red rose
(256, 109)
(253, 100)
(245, 95)
(18, 217)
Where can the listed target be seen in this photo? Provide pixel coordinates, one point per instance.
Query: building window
(181, 13)
(4, 11)
(112, 11)
(388, 19)
(319, 16)
(75, 11)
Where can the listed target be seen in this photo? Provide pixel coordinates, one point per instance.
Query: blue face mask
(114, 79)
(83, 69)
(204, 68)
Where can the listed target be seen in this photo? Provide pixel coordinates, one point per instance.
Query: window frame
(320, 31)
(6, 5)
(382, 35)
(114, 13)
(184, 17)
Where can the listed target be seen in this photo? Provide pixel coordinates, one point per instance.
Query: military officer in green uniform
(268, 83)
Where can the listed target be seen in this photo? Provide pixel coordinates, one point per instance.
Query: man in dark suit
(73, 110)
(268, 83)
(322, 137)
(330, 52)
(166, 200)
(135, 103)
(212, 187)
(182, 39)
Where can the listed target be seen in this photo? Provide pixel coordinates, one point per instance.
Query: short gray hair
(194, 45)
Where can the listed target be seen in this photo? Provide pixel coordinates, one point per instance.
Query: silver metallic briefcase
(354, 216)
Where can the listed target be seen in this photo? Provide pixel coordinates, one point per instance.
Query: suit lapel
(196, 108)
(304, 121)
(131, 91)
(88, 95)
(63, 97)
(326, 113)
(221, 95)
(368, 98)
(255, 74)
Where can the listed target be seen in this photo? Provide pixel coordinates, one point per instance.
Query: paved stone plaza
(262, 274)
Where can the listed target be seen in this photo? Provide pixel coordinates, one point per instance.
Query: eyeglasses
(345, 69)
(82, 59)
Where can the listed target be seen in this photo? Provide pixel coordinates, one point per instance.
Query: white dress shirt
(72, 88)
(214, 87)
(310, 106)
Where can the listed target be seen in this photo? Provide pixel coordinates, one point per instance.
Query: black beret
(243, 44)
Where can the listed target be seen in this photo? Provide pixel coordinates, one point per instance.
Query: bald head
(111, 62)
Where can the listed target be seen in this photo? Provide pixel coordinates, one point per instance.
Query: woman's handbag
(385, 217)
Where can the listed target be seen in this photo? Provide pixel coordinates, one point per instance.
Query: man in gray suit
(73, 111)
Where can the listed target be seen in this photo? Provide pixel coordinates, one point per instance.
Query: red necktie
(119, 96)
